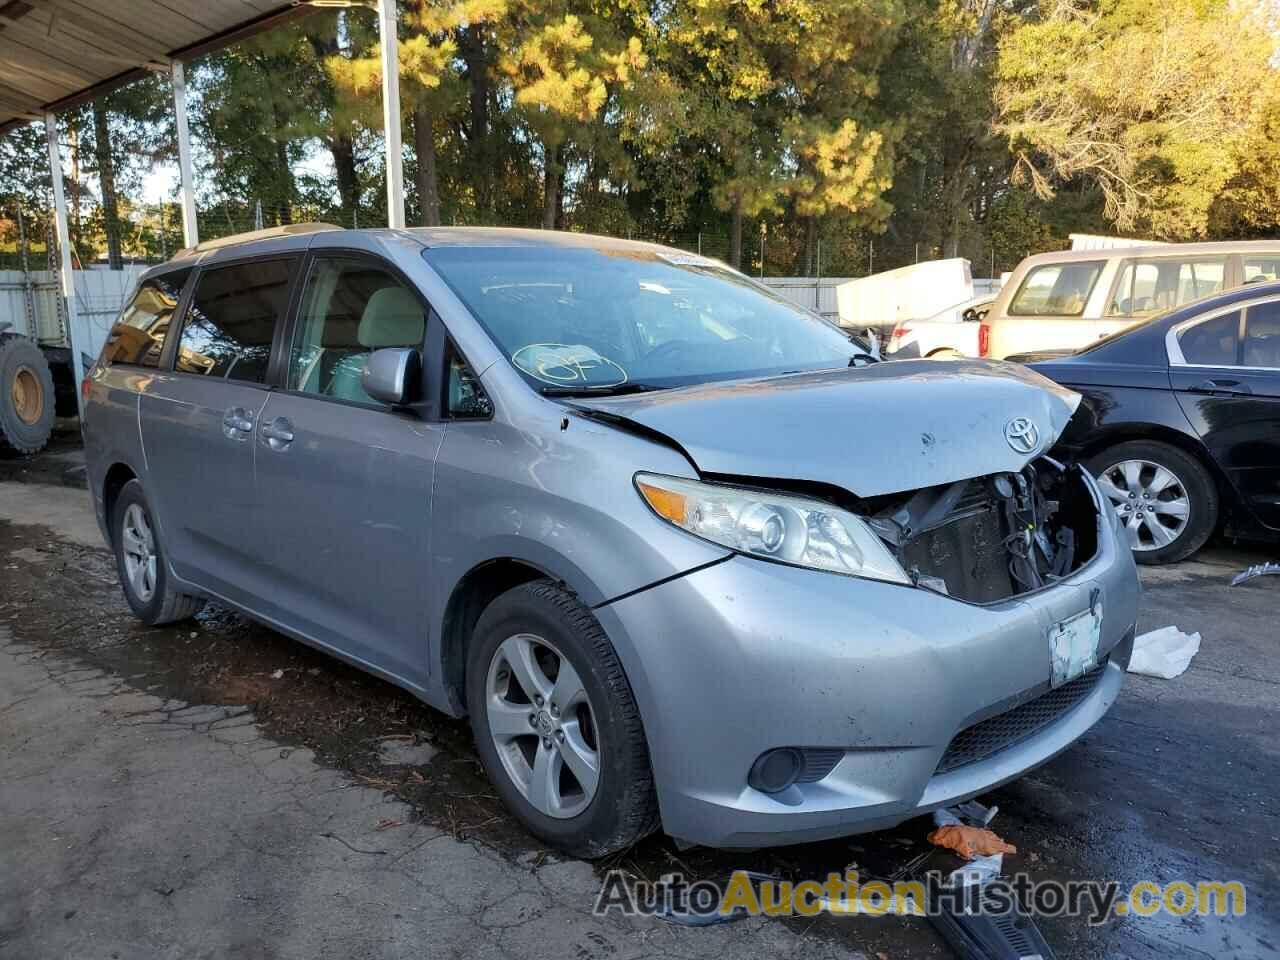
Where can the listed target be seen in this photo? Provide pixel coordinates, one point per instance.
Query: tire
(945, 353)
(27, 399)
(1176, 538)
(554, 628)
(164, 604)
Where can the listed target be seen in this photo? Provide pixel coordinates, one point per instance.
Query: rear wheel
(1165, 498)
(26, 397)
(140, 561)
(556, 725)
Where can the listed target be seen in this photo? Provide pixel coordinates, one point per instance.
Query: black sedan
(1180, 421)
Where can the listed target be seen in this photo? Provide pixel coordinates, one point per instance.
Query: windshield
(612, 318)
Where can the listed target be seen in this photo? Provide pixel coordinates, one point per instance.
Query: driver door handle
(1222, 386)
(277, 434)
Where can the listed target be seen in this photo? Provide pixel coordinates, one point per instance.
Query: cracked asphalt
(213, 789)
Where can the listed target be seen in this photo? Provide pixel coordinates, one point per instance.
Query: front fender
(559, 499)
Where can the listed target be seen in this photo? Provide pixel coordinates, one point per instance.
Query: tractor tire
(27, 398)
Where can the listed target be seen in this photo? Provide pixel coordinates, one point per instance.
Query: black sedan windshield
(603, 318)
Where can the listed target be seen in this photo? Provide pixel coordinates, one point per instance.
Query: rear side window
(1262, 335)
(1056, 290)
(1147, 287)
(138, 336)
(232, 318)
(1214, 343)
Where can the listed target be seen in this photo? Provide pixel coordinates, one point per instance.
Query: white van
(1066, 300)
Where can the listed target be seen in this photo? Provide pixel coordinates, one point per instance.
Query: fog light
(775, 770)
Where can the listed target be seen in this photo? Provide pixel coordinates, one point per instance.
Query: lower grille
(990, 736)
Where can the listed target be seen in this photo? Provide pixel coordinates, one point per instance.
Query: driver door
(345, 481)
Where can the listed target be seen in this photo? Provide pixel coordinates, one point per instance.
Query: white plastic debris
(1164, 653)
(1257, 570)
(977, 872)
(970, 812)
(943, 817)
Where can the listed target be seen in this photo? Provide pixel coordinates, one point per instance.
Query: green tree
(564, 60)
(783, 97)
(263, 105)
(1158, 105)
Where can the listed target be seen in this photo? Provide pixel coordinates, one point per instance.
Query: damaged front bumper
(901, 699)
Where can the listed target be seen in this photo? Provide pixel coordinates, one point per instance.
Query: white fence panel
(100, 295)
(814, 293)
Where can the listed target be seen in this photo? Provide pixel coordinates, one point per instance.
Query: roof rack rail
(288, 230)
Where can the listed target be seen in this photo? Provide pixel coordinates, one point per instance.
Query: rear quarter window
(138, 336)
(1056, 290)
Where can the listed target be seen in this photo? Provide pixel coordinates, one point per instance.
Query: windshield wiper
(603, 390)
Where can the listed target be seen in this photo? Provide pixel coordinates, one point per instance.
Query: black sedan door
(1225, 369)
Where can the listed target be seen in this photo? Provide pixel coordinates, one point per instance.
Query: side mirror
(392, 375)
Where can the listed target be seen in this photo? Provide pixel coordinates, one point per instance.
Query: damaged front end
(994, 537)
(929, 475)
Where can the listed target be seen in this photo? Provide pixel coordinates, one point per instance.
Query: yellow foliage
(1156, 104)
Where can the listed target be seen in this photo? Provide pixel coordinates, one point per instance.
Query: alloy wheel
(139, 546)
(1151, 499)
(543, 726)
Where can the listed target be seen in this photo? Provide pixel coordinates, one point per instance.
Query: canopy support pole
(389, 44)
(190, 234)
(76, 338)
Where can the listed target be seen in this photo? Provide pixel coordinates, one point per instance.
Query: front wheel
(556, 724)
(1165, 498)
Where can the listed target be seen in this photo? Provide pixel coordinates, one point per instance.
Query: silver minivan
(687, 555)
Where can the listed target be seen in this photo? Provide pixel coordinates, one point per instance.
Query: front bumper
(743, 656)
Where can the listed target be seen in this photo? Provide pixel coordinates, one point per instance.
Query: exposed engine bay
(993, 537)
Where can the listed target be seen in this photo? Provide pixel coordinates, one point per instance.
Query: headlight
(806, 533)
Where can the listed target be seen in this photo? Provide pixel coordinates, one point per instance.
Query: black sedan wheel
(1165, 498)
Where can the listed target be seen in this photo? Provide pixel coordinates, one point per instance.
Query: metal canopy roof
(58, 53)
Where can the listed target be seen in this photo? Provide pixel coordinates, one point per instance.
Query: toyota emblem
(1022, 434)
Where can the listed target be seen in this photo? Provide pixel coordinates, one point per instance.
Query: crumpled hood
(885, 428)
